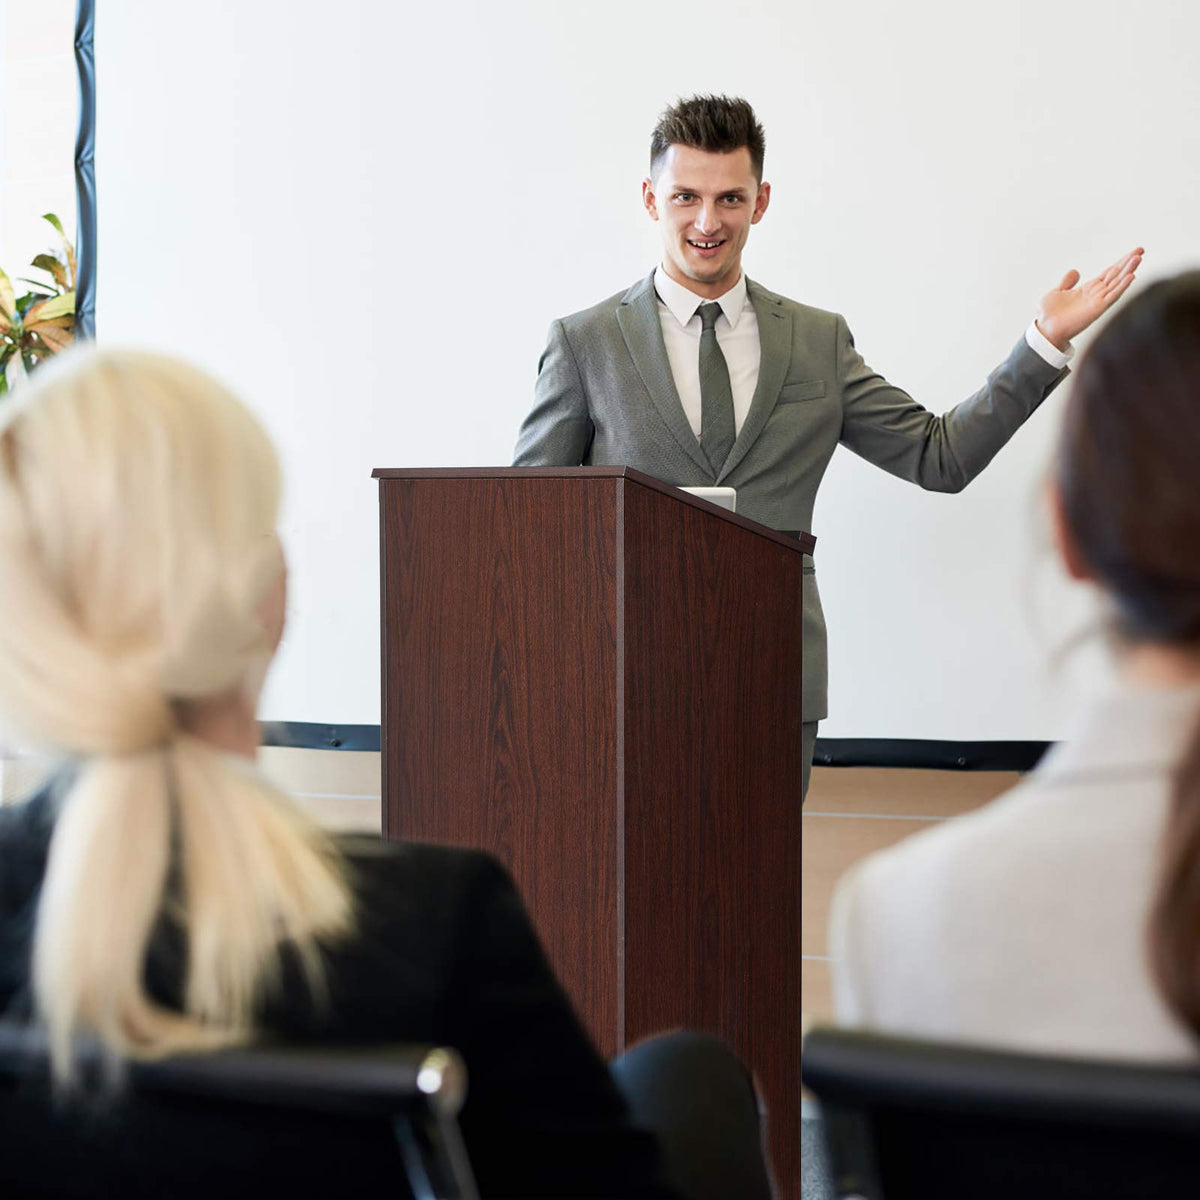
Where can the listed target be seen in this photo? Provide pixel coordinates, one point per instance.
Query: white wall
(39, 112)
(365, 215)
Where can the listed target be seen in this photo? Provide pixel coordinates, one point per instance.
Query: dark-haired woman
(1065, 916)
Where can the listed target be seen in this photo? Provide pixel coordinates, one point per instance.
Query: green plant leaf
(52, 264)
(56, 306)
(68, 249)
(8, 301)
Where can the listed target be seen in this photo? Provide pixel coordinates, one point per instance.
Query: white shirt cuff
(1046, 348)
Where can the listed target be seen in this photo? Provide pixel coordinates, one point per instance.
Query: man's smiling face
(705, 204)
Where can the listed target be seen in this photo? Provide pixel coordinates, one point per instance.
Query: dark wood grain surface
(597, 679)
(712, 792)
(499, 713)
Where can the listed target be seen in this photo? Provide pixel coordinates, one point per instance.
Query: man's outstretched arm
(944, 453)
(558, 430)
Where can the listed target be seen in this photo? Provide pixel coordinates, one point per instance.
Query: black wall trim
(831, 752)
(928, 755)
(305, 735)
(85, 173)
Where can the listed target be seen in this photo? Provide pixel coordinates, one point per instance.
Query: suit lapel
(775, 342)
(637, 315)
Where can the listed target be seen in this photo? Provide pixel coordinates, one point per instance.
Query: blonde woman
(159, 895)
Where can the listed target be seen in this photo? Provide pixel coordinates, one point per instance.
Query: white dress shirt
(737, 335)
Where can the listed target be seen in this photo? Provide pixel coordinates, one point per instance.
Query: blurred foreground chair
(312, 1121)
(695, 1095)
(908, 1119)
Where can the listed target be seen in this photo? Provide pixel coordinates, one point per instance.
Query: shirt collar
(683, 303)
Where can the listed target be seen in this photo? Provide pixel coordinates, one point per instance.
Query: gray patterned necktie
(716, 395)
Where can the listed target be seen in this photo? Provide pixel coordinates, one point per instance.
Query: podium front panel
(499, 702)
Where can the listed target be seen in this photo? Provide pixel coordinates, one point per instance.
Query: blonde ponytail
(255, 876)
(100, 898)
(256, 873)
(138, 502)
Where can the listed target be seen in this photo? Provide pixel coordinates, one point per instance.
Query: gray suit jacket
(605, 396)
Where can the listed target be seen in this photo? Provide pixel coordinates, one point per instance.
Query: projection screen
(364, 217)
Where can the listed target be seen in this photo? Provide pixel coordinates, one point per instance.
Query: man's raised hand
(1070, 308)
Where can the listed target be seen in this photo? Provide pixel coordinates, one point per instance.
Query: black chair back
(296, 1122)
(906, 1118)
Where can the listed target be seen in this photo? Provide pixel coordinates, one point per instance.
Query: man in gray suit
(699, 376)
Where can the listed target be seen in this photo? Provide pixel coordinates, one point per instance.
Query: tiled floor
(850, 813)
(340, 788)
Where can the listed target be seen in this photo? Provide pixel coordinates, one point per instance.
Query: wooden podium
(596, 677)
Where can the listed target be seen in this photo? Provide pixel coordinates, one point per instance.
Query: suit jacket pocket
(807, 389)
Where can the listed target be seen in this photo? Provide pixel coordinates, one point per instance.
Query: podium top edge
(505, 473)
(805, 542)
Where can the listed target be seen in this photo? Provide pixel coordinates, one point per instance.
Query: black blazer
(443, 953)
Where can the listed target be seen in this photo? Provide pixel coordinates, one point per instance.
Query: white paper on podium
(725, 497)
